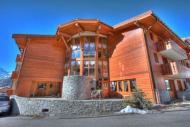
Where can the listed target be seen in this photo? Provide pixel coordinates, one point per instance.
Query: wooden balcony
(175, 70)
(14, 75)
(171, 50)
(19, 58)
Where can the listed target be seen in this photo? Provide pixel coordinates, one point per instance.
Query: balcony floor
(179, 76)
(173, 54)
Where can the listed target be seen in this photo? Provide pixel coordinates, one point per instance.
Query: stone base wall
(39, 106)
(77, 87)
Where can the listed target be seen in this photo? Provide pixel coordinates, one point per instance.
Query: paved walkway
(166, 119)
(180, 106)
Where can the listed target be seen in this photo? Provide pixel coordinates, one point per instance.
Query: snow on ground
(129, 109)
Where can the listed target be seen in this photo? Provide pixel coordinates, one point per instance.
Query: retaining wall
(39, 106)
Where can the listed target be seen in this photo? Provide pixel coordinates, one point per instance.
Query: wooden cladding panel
(43, 61)
(129, 61)
(129, 56)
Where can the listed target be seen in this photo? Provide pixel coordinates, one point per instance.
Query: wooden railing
(173, 68)
(166, 69)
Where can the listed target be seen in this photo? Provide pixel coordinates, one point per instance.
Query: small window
(113, 86)
(156, 58)
(42, 86)
(51, 85)
(133, 85)
(125, 86)
(119, 86)
(167, 85)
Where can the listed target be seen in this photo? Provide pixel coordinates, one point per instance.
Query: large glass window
(89, 67)
(89, 47)
(75, 56)
(102, 58)
(75, 46)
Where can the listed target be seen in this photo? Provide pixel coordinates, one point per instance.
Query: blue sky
(43, 17)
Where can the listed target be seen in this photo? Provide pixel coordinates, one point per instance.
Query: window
(89, 47)
(102, 48)
(75, 46)
(119, 86)
(51, 85)
(156, 58)
(100, 70)
(113, 86)
(167, 85)
(125, 83)
(99, 54)
(42, 86)
(133, 85)
(75, 67)
(102, 43)
(89, 67)
(105, 69)
(105, 85)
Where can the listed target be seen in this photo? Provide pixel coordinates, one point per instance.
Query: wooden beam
(79, 27)
(98, 29)
(64, 41)
(63, 34)
(82, 56)
(66, 35)
(96, 58)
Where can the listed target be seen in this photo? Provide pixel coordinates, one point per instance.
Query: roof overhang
(151, 22)
(76, 26)
(21, 39)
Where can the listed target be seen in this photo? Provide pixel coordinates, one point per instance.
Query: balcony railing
(171, 50)
(19, 58)
(14, 75)
(175, 70)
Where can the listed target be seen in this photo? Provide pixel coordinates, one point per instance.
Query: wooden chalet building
(141, 52)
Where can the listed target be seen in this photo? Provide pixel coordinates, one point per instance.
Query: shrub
(138, 100)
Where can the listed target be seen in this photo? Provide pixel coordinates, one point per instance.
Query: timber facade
(140, 53)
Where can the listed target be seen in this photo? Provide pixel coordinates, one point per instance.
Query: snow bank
(129, 109)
